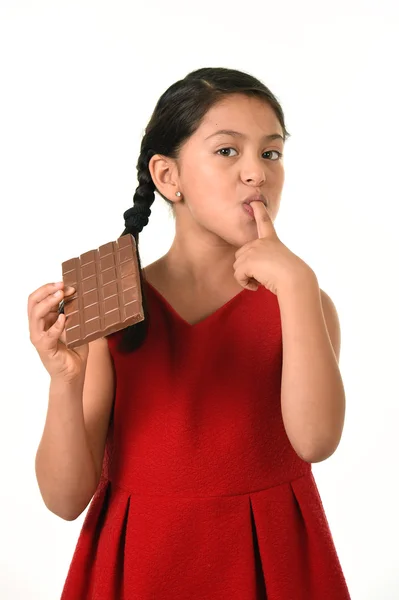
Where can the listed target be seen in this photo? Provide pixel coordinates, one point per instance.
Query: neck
(200, 261)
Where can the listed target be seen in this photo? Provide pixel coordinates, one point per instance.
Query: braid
(136, 217)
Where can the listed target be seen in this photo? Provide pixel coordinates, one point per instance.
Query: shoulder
(154, 271)
(332, 322)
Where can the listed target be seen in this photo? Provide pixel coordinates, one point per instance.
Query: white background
(79, 81)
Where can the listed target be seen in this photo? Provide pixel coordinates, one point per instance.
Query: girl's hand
(267, 261)
(47, 333)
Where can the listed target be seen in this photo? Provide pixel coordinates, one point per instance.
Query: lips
(256, 198)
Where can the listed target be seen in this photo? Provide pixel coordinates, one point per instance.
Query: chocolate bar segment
(108, 292)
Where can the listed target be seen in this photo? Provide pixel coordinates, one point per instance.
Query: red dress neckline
(207, 319)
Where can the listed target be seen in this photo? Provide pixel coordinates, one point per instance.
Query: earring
(178, 194)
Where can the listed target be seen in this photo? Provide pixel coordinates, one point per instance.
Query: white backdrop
(79, 81)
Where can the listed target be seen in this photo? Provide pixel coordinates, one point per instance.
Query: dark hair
(177, 115)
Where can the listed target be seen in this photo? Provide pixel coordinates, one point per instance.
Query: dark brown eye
(224, 150)
(276, 151)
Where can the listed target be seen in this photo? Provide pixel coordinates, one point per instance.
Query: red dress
(202, 496)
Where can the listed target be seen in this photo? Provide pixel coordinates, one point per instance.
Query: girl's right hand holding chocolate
(47, 333)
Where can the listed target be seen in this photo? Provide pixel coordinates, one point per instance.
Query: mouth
(255, 198)
(247, 204)
(249, 210)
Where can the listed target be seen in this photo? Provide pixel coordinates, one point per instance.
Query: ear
(165, 175)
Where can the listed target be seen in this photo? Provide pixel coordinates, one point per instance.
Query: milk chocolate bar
(108, 292)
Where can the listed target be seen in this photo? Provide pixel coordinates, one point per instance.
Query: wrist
(303, 278)
(73, 384)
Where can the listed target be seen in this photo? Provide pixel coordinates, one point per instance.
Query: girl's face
(218, 170)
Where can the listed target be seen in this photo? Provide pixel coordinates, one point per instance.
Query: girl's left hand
(267, 261)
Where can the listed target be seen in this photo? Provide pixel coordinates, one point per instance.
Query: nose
(253, 173)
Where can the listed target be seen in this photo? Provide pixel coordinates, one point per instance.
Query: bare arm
(70, 454)
(312, 391)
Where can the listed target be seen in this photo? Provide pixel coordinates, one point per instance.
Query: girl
(195, 429)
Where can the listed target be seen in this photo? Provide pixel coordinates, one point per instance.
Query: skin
(211, 223)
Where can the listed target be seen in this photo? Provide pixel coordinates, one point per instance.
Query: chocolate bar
(108, 292)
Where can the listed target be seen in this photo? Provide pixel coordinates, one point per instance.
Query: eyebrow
(268, 138)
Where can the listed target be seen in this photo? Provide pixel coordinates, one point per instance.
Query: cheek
(205, 186)
(201, 171)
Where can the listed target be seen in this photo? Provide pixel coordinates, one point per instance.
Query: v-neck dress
(202, 496)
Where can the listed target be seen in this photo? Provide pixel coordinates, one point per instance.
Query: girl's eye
(223, 150)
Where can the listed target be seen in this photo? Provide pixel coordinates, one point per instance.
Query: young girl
(195, 429)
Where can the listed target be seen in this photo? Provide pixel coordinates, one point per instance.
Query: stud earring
(178, 194)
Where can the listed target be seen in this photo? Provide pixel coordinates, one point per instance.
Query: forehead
(246, 114)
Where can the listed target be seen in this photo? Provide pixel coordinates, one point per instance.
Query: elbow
(68, 509)
(315, 446)
(66, 503)
(66, 513)
(315, 457)
(317, 452)
(71, 515)
(65, 516)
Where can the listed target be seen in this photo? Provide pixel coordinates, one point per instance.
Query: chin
(234, 234)
(240, 239)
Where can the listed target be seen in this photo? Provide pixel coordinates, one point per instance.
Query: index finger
(263, 219)
(42, 292)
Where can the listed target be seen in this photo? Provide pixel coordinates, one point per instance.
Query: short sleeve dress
(202, 496)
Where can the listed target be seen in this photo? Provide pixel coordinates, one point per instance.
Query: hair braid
(136, 217)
